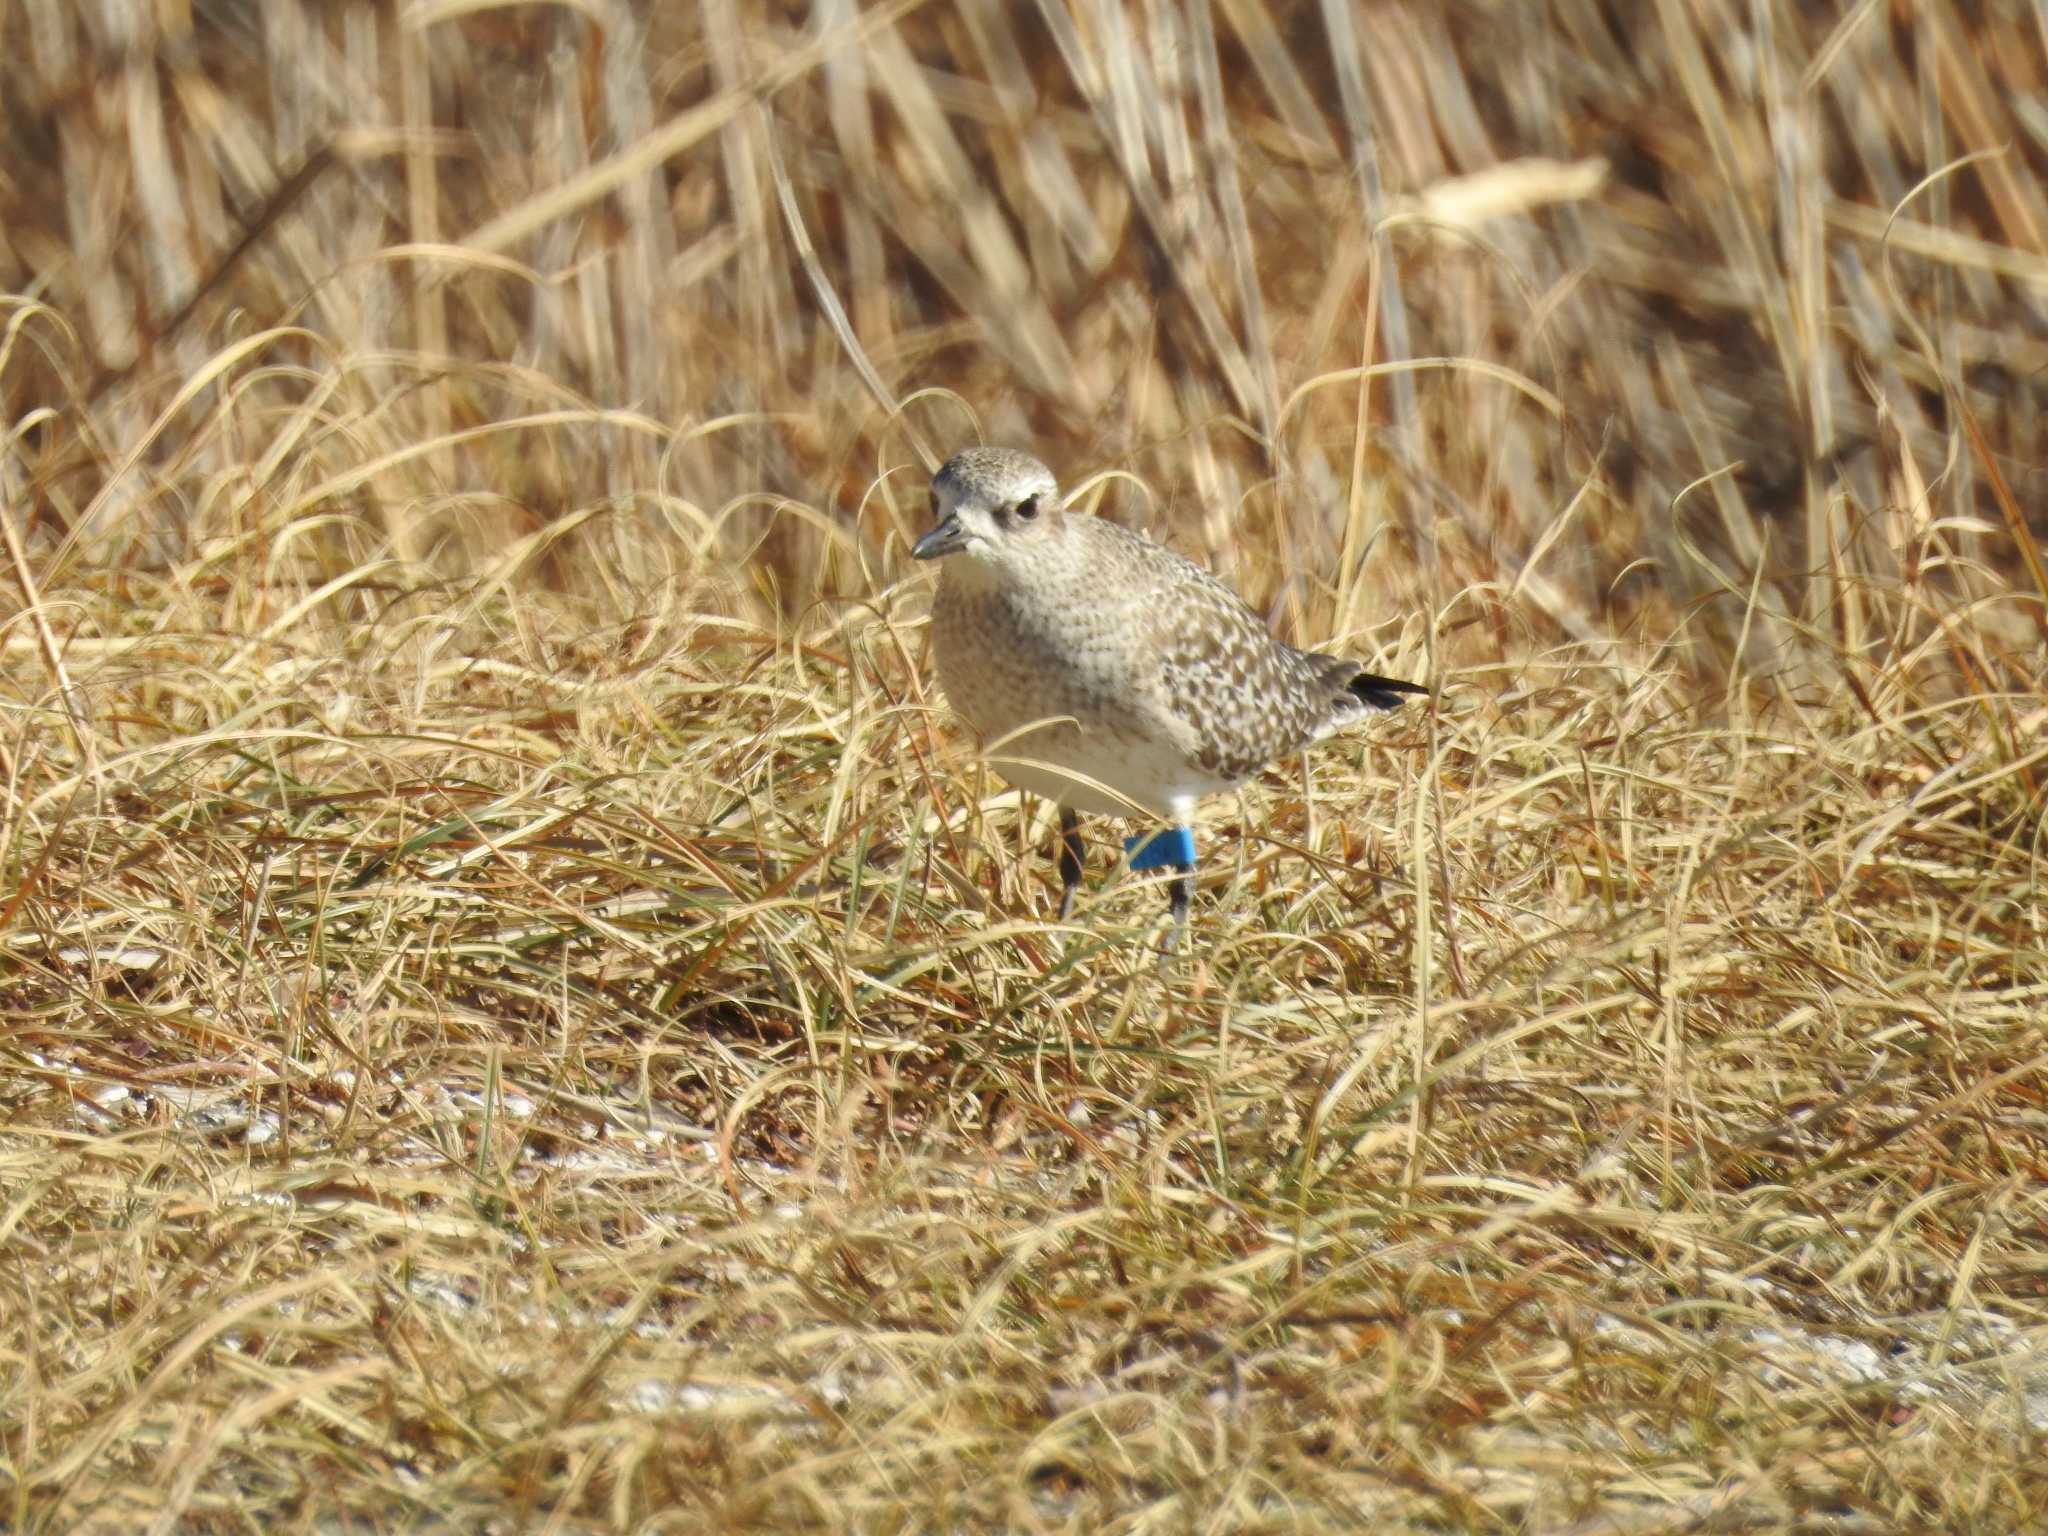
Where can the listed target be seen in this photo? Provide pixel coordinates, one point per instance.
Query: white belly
(1099, 773)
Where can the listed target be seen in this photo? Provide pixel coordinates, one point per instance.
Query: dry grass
(518, 1012)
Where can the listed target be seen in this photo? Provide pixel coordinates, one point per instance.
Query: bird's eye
(1027, 509)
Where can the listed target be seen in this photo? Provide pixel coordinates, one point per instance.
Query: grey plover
(1108, 673)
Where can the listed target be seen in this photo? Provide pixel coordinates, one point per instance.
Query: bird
(1109, 674)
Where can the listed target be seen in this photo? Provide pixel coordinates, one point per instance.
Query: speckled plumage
(1103, 670)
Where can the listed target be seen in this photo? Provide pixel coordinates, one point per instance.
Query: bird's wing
(1245, 697)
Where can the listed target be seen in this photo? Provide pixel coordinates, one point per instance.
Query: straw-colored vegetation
(519, 1011)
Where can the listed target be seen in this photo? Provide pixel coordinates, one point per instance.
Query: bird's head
(993, 505)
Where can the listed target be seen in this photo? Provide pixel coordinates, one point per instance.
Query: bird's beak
(947, 539)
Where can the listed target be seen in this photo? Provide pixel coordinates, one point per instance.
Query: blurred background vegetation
(1698, 293)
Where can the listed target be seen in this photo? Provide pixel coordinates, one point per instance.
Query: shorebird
(1109, 674)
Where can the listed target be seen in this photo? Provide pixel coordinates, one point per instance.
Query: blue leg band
(1172, 847)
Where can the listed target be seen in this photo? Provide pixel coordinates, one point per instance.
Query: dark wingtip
(1381, 692)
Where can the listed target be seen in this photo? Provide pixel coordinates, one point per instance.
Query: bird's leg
(1169, 848)
(1072, 860)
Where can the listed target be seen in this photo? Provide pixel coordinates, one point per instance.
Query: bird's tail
(1380, 692)
(1344, 675)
